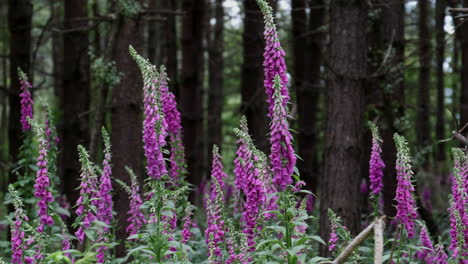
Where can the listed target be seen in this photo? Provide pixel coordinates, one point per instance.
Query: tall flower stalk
(136, 219)
(18, 245)
(406, 205)
(282, 155)
(26, 101)
(427, 253)
(42, 184)
(214, 233)
(87, 202)
(376, 164)
(273, 61)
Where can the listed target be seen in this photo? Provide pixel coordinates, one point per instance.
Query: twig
(378, 241)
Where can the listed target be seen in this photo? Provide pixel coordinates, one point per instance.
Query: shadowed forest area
(233, 131)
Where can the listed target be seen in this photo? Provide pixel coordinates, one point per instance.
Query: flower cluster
(42, 184)
(188, 224)
(426, 254)
(273, 61)
(18, 245)
(406, 205)
(26, 101)
(136, 218)
(282, 155)
(87, 200)
(376, 165)
(214, 233)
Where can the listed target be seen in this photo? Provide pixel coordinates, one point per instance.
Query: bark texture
(464, 71)
(440, 50)
(75, 93)
(127, 149)
(345, 95)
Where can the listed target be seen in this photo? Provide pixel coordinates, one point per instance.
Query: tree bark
(393, 32)
(345, 96)
(19, 25)
(169, 56)
(464, 72)
(192, 87)
(216, 81)
(307, 62)
(440, 58)
(126, 118)
(253, 104)
(75, 94)
(422, 111)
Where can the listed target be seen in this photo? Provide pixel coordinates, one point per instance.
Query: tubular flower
(282, 155)
(18, 245)
(88, 189)
(458, 202)
(188, 224)
(136, 218)
(376, 165)
(426, 254)
(105, 204)
(273, 60)
(41, 187)
(214, 233)
(440, 255)
(174, 128)
(333, 237)
(154, 124)
(26, 101)
(406, 206)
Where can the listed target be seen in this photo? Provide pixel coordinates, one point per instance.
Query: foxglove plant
(154, 124)
(42, 185)
(105, 204)
(87, 202)
(174, 128)
(406, 205)
(188, 224)
(136, 218)
(427, 254)
(18, 245)
(282, 155)
(214, 233)
(26, 101)
(273, 61)
(376, 165)
(440, 255)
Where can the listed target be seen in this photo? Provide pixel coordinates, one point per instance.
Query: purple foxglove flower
(406, 206)
(273, 61)
(376, 165)
(42, 184)
(440, 255)
(282, 155)
(214, 233)
(426, 254)
(18, 245)
(136, 218)
(26, 101)
(188, 224)
(333, 237)
(88, 195)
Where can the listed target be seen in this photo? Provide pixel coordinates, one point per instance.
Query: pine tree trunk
(75, 94)
(126, 118)
(216, 81)
(422, 110)
(440, 58)
(393, 35)
(192, 87)
(169, 57)
(464, 72)
(19, 25)
(252, 91)
(345, 111)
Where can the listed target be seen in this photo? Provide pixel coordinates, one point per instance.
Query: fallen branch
(361, 237)
(378, 240)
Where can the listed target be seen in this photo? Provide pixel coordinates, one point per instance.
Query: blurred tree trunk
(192, 84)
(307, 61)
(169, 52)
(345, 96)
(253, 104)
(75, 93)
(422, 110)
(440, 58)
(393, 32)
(216, 81)
(19, 25)
(153, 40)
(126, 117)
(56, 9)
(464, 72)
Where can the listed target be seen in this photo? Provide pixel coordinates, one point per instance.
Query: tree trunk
(19, 25)
(75, 94)
(422, 110)
(126, 118)
(393, 36)
(169, 56)
(345, 95)
(192, 85)
(440, 58)
(56, 9)
(253, 104)
(153, 40)
(216, 81)
(307, 61)
(464, 72)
